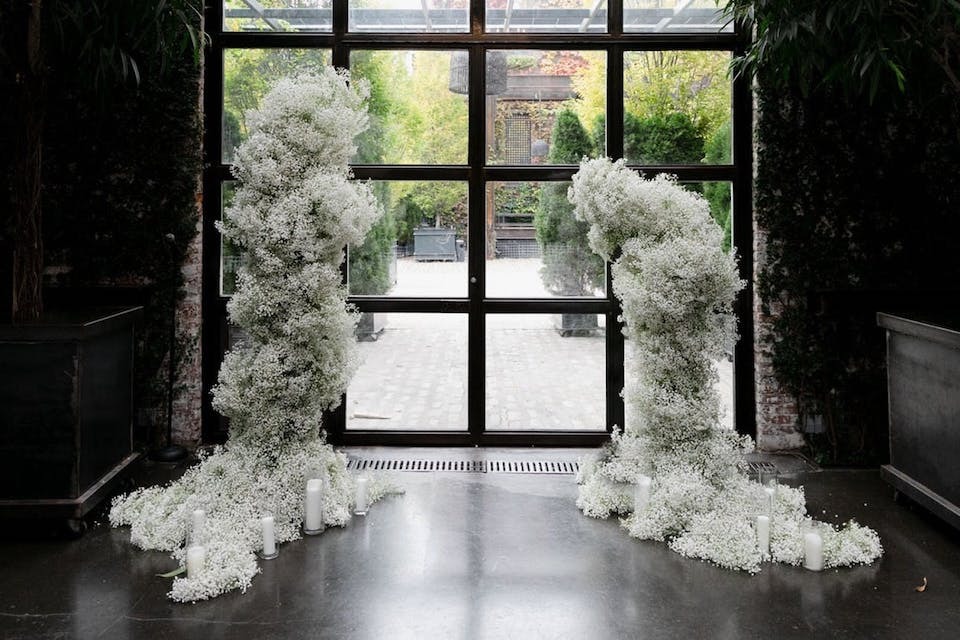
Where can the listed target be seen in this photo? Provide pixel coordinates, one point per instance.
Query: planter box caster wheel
(74, 528)
(901, 499)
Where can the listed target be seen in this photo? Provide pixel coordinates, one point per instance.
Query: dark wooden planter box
(435, 244)
(576, 324)
(370, 326)
(923, 381)
(66, 412)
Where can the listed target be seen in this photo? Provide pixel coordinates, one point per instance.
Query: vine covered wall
(121, 168)
(858, 201)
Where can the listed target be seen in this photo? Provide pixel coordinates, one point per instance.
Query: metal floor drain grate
(464, 466)
(532, 466)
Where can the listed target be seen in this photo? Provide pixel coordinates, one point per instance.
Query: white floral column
(294, 212)
(677, 287)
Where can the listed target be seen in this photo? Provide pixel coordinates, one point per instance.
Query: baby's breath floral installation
(294, 212)
(676, 287)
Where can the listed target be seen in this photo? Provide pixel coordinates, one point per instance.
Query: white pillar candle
(813, 551)
(196, 557)
(763, 534)
(641, 493)
(198, 519)
(771, 494)
(362, 498)
(313, 505)
(269, 539)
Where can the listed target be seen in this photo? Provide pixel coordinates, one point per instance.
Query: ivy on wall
(859, 201)
(121, 207)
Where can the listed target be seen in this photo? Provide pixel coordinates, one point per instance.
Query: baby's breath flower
(677, 289)
(293, 213)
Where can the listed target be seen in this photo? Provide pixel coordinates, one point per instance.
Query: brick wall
(188, 396)
(777, 417)
(187, 401)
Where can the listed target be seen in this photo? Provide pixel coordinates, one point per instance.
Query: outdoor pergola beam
(506, 16)
(590, 16)
(424, 6)
(258, 8)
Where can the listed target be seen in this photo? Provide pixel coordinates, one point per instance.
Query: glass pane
(720, 197)
(674, 16)
(547, 16)
(543, 107)
(418, 248)
(546, 372)
(247, 76)
(229, 254)
(535, 246)
(409, 15)
(413, 374)
(277, 15)
(418, 106)
(677, 107)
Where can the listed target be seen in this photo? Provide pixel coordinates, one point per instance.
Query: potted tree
(68, 438)
(570, 268)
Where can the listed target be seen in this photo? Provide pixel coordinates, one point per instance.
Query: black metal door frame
(477, 173)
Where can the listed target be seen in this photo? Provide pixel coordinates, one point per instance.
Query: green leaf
(174, 573)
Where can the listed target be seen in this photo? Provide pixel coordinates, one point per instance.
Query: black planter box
(66, 412)
(435, 244)
(576, 324)
(923, 382)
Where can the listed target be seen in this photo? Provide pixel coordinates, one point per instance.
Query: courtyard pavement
(414, 376)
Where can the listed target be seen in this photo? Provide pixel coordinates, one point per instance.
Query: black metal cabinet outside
(66, 411)
(923, 382)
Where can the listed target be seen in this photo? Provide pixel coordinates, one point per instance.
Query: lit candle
(269, 539)
(763, 534)
(362, 498)
(313, 506)
(771, 494)
(641, 493)
(196, 556)
(813, 551)
(198, 520)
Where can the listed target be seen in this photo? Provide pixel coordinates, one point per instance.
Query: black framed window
(481, 109)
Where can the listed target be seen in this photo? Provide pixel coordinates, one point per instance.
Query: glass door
(484, 316)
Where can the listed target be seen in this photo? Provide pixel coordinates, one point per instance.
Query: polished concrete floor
(476, 556)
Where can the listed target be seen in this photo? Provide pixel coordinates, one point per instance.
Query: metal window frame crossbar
(477, 41)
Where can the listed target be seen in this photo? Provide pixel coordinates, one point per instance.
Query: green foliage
(858, 203)
(570, 267)
(434, 204)
(662, 139)
(120, 202)
(106, 41)
(569, 141)
(717, 151)
(369, 266)
(864, 48)
(667, 139)
(370, 262)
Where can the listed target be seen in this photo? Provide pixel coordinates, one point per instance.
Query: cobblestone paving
(414, 376)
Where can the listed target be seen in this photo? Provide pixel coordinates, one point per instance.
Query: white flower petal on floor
(677, 288)
(294, 212)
